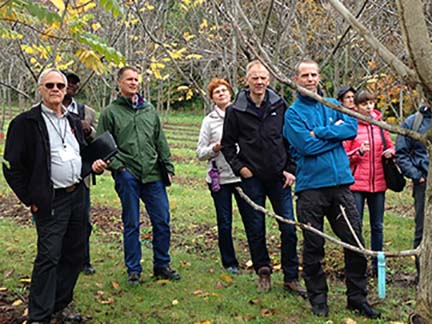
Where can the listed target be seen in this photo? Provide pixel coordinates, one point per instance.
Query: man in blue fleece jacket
(323, 175)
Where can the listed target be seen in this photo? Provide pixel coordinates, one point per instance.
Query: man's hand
(289, 179)
(99, 165)
(422, 179)
(34, 208)
(246, 173)
(86, 127)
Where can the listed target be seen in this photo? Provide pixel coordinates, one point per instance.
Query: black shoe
(365, 309)
(68, 314)
(166, 273)
(133, 278)
(320, 309)
(88, 270)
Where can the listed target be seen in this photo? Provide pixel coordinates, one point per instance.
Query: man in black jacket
(253, 145)
(42, 165)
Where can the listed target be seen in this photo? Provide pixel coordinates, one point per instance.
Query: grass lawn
(205, 294)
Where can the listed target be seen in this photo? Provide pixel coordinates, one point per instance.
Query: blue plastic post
(381, 275)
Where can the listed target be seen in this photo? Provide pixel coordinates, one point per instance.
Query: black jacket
(261, 146)
(27, 159)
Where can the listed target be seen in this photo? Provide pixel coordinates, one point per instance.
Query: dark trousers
(223, 205)
(89, 227)
(312, 206)
(419, 191)
(254, 223)
(376, 203)
(60, 255)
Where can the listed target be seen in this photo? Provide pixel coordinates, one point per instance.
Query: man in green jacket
(138, 170)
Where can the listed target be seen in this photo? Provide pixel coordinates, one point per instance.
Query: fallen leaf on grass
(265, 312)
(349, 321)
(219, 285)
(17, 303)
(25, 280)
(107, 301)
(198, 292)
(25, 313)
(255, 301)
(203, 322)
(162, 281)
(99, 285)
(3, 289)
(226, 278)
(115, 285)
(249, 264)
(8, 273)
(175, 302)
(397, 322)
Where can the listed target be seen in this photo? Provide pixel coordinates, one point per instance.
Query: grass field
(205, 294)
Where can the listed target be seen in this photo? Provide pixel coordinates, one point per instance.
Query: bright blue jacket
(321, 159)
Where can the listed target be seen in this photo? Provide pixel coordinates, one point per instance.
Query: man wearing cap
(413, 159)
(43, 166)
(87, 116)
(346, 96)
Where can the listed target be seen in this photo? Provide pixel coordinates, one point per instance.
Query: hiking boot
(233, 270)
(88, 270)
(264, 279)
(295, 287)
(320, 309)
(165, 273)
(68, 314)
(133, 278)
(364, 309)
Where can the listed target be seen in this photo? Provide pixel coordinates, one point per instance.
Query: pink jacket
(367, 169)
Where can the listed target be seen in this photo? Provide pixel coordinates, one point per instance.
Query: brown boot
(295, 287)
(264, 280)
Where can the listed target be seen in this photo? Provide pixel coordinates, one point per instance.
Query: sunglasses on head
(50, 85)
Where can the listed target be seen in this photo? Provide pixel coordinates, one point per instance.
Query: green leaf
(113, 6)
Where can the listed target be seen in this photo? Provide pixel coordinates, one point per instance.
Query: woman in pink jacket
(365, 153)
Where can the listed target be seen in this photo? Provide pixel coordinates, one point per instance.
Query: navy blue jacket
(411, 155)
(321, 159)
(27, 158)
(256, 142)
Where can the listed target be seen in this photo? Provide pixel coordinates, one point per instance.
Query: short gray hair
(44, 73)
(252, 64)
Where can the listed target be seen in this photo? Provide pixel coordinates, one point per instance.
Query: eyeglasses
(51, 85)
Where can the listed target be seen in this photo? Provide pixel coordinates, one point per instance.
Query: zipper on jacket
(372, 155)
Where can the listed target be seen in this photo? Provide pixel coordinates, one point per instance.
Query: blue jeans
(375, 202)
(153, 194)
(254, 223)
(223, 205)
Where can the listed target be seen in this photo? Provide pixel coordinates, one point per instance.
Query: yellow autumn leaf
(227, 278)
(189, 94)
(249, 263)
(186, 2)
(203, 322)
(3, 289)
(25, 280)
(349, 321)
(175, 302)
(198, 3)
(177, 54)
(194, 57)
(204, 24)
(96, 26)
(149, 7)
(188, 36)
(59, 4)
(182, 88)
(33, 60)
(17, 303)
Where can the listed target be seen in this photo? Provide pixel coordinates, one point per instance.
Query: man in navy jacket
(413, 159)
(253, 145)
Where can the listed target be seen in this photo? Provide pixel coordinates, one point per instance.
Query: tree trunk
(424, 292)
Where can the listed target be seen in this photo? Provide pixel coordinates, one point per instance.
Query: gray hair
(44, 73)
(252, 64)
